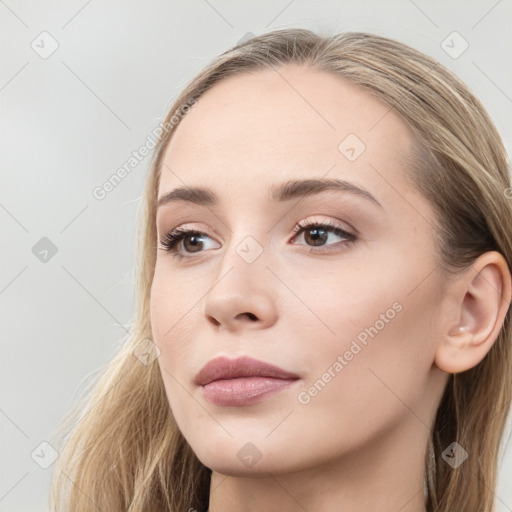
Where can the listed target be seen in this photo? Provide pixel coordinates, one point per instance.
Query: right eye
(192, 240)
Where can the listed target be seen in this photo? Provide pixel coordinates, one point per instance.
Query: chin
(239, 457)
(234, 456)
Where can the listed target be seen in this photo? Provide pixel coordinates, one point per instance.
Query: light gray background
(71, 120)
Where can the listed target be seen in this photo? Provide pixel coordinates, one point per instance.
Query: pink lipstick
(241, 381)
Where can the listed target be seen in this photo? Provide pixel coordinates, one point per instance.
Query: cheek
(171, 305)
(170, 326)
(376, 362)
(168, 313)
(376, 386)
(340, 304)
(374, 318)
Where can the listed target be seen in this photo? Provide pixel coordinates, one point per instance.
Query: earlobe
(482, 297)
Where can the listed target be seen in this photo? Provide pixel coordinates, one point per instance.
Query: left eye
(315, 233)
(318, 233)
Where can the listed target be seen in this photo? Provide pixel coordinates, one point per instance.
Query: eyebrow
(284, 192)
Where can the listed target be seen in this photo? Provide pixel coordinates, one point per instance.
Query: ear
(481, 298)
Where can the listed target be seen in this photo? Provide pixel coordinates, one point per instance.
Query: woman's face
(354, 316)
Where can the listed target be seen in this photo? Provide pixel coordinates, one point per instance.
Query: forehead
(255, 129)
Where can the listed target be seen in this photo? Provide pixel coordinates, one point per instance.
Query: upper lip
(226, 368)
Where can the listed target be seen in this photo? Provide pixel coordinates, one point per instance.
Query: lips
(242, 381)
(222, 368)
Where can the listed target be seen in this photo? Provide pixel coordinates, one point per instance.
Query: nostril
(214, 321)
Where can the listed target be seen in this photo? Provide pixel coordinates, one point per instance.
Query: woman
(324, 286)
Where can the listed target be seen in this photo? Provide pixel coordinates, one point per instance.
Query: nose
(242, 296)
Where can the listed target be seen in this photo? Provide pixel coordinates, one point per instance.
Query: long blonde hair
(122, 449)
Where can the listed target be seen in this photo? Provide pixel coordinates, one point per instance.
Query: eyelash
(174, 237)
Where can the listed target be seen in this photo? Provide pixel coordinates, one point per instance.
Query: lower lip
(244, 390)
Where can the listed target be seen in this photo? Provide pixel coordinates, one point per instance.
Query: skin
(359, 443)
